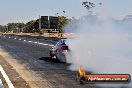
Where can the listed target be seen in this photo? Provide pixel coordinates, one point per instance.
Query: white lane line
(40, 43)
(45, 44)
(10, 85)
(51, 45)
(1, 85)
(20, 39)
(35, 42)
(30, 41)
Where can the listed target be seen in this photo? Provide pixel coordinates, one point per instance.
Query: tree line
(32, 26)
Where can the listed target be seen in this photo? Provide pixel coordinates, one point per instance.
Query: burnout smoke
(101, 46)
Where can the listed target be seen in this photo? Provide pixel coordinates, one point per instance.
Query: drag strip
(30, 58)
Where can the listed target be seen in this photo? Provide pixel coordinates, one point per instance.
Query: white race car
(59, 51)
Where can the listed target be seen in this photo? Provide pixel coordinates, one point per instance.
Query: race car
(59, 51)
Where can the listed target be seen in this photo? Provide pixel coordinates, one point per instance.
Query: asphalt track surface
(29, 61)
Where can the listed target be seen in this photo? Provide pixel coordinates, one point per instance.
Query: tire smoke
(101, 46)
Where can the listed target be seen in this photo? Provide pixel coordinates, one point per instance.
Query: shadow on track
(49, 59)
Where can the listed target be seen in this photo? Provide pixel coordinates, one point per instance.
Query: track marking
(40, 43)
(30, 41)
(9, 83)
(45, 44)
(35, 42)
(51, 45)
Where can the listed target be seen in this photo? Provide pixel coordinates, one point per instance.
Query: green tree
(2, 28)
(29, 27)
(15, 27)
(62, 22)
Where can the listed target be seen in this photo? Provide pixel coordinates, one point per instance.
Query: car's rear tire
(60, 58)
(50, 55)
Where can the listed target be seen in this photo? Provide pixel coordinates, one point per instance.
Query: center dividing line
(30, 41)
(10, 85)
(51, 45)
(35, 42)
(43, 44)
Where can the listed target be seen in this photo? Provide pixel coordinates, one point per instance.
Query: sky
(26, 10)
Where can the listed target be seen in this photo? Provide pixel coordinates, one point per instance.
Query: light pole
(17, 29)
(39, 22)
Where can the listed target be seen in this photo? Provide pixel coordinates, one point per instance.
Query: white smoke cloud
(101, 46)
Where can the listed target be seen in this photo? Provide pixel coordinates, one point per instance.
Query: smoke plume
(101, 46)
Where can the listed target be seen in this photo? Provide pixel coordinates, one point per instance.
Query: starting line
(9, 83)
